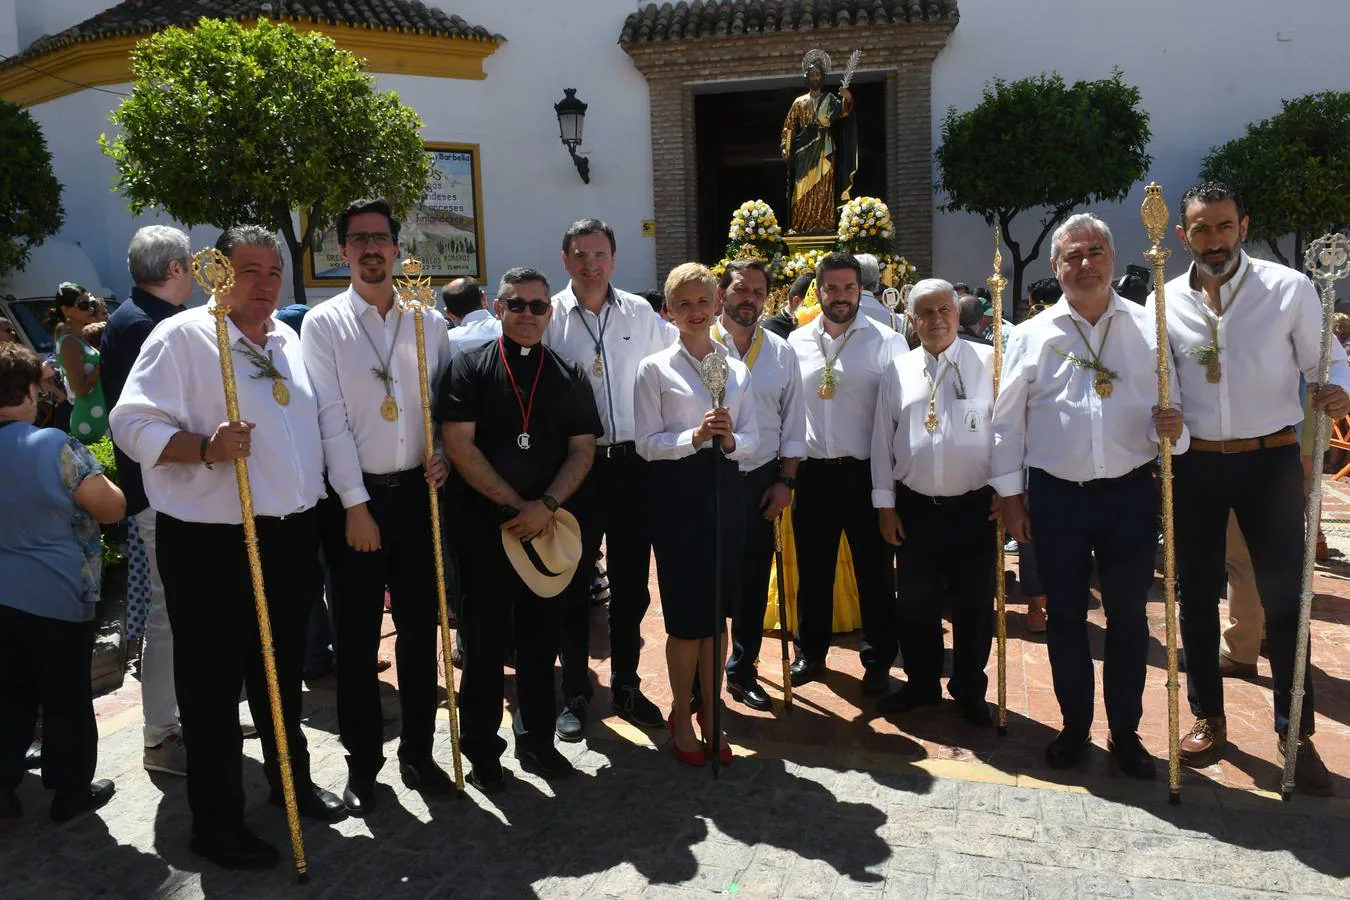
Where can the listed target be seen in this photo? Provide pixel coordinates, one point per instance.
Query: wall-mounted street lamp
(571, 117)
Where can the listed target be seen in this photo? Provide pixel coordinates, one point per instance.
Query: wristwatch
(549, 502)
(206, 442)
(787, 482)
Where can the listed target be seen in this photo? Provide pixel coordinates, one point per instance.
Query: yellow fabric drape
(847, 615)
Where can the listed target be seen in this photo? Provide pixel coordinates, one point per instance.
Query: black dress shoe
(32, 757)
(1129, 753)
(752, 695)
(488, 777)
(359, 797)
(10, 807)
(875, 681)
(571, 721)
(313, 803)
(629, 703)
(1068, 748)
(907, 698)
(240, 849)
(976, 712)
(66, 805)
(425, 776)
(546, 761)
(805, 672)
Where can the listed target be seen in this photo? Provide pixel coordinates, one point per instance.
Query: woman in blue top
(50, 564)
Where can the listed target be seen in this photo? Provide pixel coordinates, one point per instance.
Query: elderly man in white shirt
(1076, 430)
(770, 473)
(868, 304)
(471, 322)
(1242, 331)
(171, 419)
(607, 332)
(931, 447)
(360, 351)
(842, 356)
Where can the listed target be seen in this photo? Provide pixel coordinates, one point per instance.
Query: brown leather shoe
(1310, 773)
(1231, 668)
(1206, 740)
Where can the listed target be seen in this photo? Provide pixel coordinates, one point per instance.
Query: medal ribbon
(755, 345)
(827, 375)
(525, 410)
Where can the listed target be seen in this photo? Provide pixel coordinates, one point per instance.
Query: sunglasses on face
(536, 307)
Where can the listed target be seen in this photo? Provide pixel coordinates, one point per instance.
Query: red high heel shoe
(688, 757)
(723, 751)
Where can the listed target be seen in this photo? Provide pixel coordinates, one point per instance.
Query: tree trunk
(281, 213)
(1299, 262)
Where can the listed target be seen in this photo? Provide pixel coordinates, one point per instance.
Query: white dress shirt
(474, 330)
(1049, 416)
(776, 393)
(670, 401)
(339, 359)
(1269, 334)
(842, 426)
(874, 309)
(175, 386)
(952, 460)
(628, 332)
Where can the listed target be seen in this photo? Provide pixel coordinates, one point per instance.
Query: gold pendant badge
(930, 422)
(1213, 371)
(389, 409)
(280, 392)
(1104, 387)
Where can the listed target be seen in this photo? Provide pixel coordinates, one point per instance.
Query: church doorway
(737, 137)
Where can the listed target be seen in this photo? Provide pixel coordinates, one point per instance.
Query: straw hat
(547, 563)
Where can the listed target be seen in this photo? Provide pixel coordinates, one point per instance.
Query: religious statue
(820, 145)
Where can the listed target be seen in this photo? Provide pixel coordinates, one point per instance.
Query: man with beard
(606, 332)
(770, 474)
(1076, 431)
(1242, 332)
(842, 356)
(361, 354)
(931, 446)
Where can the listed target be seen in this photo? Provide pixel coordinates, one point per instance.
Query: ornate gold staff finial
(997, 281)
(1154, 214)
(213, 271)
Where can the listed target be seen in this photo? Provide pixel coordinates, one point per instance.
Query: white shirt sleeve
(147, 414)
(652, 440)
(792, 436)
(1010, 418)
(883, 430)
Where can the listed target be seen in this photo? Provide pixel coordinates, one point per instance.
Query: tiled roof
(133, 17)
(721, 18)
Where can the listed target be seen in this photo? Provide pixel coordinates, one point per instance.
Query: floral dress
(77, 464)
(89, 414)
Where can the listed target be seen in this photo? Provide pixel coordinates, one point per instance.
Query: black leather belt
(393, 479)
(945, 501)
(616, 451)
(833, 460)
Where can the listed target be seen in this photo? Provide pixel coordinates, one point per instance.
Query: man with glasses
(519, 423)
(607, 332)
(361, 354)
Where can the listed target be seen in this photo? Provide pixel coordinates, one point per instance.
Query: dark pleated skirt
(683, 511)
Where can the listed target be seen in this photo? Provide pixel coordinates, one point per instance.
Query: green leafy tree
(1292, 170)
(30, 195)
(228, 125)
(1038, 143)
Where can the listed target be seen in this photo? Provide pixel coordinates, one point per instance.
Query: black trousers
(611, 505)
(948, 555)
(209, 595)
(45, 663)
(1264, 488)
(835, 497)
(1117, 520)
(406, 565)
(747, 619)
(496, 610)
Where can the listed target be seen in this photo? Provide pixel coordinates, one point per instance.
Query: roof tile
(703, 19)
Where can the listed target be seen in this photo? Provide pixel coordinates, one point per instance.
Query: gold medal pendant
(280, 392)
(1104, 387)
(1213, 370)
(826, 390)
(930, 421)
(598, 367)
(389, 408)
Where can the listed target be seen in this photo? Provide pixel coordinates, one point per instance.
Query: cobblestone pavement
(632, 823)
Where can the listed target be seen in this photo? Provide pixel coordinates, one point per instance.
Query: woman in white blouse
(690, 442)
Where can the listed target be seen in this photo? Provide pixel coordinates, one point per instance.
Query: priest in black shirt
(519, 424)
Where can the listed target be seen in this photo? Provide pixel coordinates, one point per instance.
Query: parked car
(29, 315)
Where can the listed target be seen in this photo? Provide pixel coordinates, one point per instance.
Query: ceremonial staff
(782, 611)
(414, 295)
(714, 373)
(213, 271)
(1326, 262)
(1154, 215)
(997, 282)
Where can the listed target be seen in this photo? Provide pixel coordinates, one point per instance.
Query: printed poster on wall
(445, 231)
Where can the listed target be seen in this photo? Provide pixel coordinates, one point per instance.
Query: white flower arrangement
(865, 217)
(754, 220)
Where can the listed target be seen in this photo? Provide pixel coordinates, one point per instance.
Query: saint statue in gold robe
(820, 145)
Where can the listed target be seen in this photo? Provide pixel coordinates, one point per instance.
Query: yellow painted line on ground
(111, 725)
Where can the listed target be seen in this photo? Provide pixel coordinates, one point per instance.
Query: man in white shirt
(770, 473)
(1242, 331)
(607, 332)
(931, 447)
(171, 419)
(472, 323)
(360, 352)
(1076, 430)
(842, 356)
(868, 304)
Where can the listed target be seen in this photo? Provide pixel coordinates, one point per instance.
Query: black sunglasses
(536, 307)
